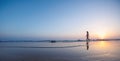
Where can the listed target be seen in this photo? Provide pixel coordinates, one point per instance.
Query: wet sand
(75, 51)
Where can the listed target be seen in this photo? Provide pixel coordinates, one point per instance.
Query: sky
(59, 19)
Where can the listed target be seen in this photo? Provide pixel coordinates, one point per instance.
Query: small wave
(40, 47)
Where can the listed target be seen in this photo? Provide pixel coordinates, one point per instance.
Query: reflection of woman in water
(87, 40)
(87, 45)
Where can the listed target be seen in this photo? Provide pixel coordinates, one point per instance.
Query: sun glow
(101, 35)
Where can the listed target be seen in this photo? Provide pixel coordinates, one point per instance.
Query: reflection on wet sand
(103, 45)
(87, 45)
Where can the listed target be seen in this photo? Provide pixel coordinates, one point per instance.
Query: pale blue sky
(58, 19)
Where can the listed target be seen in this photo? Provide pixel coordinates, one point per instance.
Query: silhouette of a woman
(87, 36)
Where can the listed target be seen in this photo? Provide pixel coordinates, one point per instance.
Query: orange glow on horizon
(101, 35)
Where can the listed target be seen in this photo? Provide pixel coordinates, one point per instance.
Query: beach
(61, 51)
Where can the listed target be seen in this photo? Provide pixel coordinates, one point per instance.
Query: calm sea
(60, 51)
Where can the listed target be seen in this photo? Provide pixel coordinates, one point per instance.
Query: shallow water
(60, 51)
